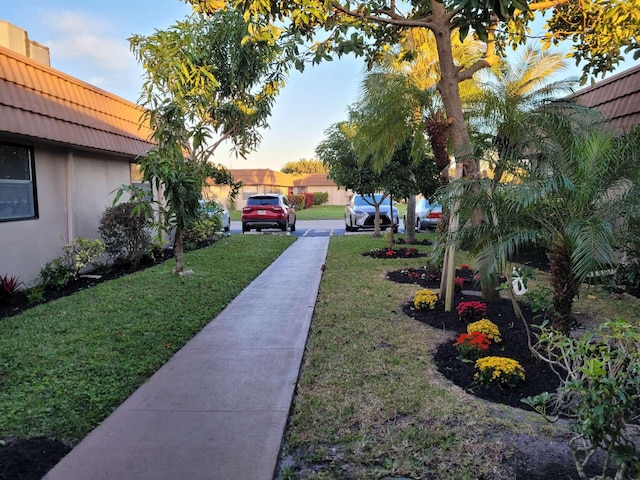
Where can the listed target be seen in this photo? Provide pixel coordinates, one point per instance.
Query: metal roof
(617, 98)
(40, 102)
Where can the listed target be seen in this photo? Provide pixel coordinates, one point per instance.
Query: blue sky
(88, 40)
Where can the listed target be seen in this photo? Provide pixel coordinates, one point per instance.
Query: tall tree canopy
(204, 83)
(304, 166)
(369, 27)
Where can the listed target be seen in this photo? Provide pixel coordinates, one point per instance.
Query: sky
(88, 40)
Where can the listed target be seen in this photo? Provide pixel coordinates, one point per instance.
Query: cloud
(79, 37)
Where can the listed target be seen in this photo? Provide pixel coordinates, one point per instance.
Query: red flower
(470, 310)
(390, 253)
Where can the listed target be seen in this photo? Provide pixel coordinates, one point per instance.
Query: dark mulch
(538, 377)
(397, 252)
(29, 459)
(538, 459)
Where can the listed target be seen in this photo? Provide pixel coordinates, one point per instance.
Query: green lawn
(66, 365)
(370, 402)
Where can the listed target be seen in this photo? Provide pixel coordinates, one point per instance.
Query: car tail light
(434, 215)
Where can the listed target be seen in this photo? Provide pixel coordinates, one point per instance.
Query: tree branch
(394, 18)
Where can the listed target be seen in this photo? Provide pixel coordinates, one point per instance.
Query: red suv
(269, 210)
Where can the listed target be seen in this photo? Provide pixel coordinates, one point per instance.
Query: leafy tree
(203, 84)
(350, 170)
(304, 166)
(367, 28)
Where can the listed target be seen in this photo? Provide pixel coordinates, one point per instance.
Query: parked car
(360, 213)
(214, 207)
(428, 215)
(269, 210)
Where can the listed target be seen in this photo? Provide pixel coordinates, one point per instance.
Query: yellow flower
(425, 298)
(505, 371)
(487, 327)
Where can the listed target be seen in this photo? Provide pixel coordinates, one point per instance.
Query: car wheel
(227, 228)
(417, 224)
(245, 228)
(258, 229)
(284, 227)
(353, 229)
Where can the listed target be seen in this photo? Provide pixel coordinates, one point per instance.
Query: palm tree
(579, 186)
(403, 105)
(509, 93)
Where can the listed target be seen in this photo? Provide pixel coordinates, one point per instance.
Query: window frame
(32, 181)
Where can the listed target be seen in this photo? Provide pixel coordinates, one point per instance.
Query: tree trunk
(376, 221)
(458, 133)
(178, 251)
(565, 288)
(410, 222)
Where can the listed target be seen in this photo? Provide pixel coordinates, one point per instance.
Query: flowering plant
(425, 298)
(466, 266)
(504, 371)
(391, 253)
(458, 283)
(472, 345)
(487, 327)
(413, 275)
(469, 311)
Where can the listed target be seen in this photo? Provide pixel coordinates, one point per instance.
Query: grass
(370, 403)
(66, 365)
(321, 212)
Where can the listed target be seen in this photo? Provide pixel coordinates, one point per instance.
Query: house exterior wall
(72, 190)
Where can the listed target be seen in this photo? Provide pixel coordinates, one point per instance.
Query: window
(137, 180)
(17, 183)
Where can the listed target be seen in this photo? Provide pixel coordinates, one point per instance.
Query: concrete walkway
(218, 409)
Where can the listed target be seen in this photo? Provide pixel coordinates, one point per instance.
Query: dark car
(269, 210)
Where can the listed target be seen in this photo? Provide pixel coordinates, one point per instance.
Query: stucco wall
(26, 245)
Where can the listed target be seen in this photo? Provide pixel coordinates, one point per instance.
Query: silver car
(428, 215)
(214, 207)
(360, 213)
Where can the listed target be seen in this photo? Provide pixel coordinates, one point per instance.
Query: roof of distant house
(40, 102)
(314, 180)
(617, 98)
(262, 176)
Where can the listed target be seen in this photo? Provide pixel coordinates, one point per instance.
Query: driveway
(307, 228)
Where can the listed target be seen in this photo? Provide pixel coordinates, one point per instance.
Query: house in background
(617, 98)
(65, 146)
(264, 180)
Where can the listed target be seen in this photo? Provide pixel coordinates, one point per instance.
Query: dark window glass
(17, 183)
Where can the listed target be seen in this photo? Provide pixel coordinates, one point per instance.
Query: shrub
(469, 311)
(203, 230)
(298, 200)
(56, 274)
(425, 299)
(458, 283)
(501, 370)
(82, 252)
(320, 198)
(599, 391)
(9, 288)
(126, 234)
(309, 200)
(472, 345)
(487, 327)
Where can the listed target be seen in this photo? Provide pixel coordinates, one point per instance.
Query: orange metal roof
(617, 98)
(262, 176)
(315, 180)
(41, 102)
